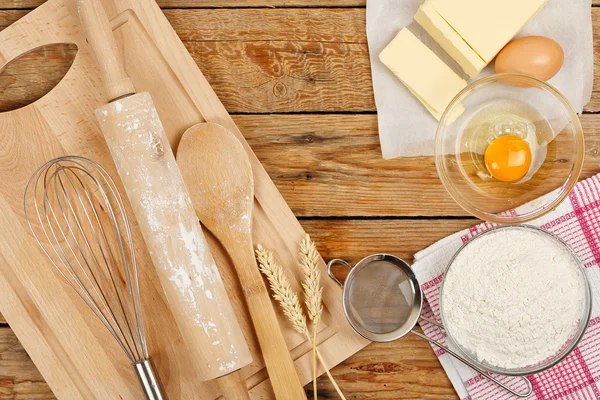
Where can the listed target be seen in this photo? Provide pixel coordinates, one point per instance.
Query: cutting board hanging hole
(32, 75)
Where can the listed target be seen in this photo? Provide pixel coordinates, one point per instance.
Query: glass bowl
(511, 104)
(569, 345)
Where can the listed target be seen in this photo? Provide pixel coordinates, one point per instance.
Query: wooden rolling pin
(166, 217)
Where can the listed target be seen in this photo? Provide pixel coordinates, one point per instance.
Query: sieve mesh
(380, 297)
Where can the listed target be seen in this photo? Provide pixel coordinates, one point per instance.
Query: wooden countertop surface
(296, 79)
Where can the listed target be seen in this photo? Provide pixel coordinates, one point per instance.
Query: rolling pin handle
(100, 36)
(233, 386)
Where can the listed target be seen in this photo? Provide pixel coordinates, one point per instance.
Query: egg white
(538, 151)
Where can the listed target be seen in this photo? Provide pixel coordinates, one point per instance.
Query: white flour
(512, 298)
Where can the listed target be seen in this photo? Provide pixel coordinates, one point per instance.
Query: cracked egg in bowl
(514, 153)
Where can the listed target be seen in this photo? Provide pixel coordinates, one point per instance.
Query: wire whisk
(78, 218)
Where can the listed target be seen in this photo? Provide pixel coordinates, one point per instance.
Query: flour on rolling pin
(174, 238)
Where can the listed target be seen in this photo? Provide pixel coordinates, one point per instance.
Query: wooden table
(297, 80)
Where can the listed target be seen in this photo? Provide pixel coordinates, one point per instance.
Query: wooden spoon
(217, 172)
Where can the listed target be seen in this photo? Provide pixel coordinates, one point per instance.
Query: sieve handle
(528, 391)
(330, 265)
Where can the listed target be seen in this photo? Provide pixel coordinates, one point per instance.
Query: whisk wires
(78, 218)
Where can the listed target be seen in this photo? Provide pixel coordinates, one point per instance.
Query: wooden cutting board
(74, 353)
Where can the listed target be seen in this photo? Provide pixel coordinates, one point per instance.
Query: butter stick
(449, 39)
(422, 72)
(484, 26)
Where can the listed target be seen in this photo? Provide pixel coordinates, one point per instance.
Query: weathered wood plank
(321, 24)
(331, 165)
(19, 378)
(9, 16)
(326, 165)
(8, 4)
(214, 3)
(283, 60)
(289, 25)
(287, 76)
(2, 320)
(405, 369)
(353, 240)
(594, 104)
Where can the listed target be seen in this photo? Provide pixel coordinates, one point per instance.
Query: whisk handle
(149, 380)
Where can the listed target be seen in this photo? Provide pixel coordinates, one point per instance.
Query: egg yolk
(508, 158)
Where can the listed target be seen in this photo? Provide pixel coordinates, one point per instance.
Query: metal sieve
(382, 301)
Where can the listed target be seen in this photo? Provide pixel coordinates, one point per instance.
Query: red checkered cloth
(577, 222)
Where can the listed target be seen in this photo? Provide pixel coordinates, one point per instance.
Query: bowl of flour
(515, 300)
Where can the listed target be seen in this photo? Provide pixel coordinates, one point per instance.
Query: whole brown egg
(538, 56)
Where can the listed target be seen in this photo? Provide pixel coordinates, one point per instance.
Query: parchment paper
(406, 128)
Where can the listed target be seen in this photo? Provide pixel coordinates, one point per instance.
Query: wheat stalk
(289, 302)
(313, 293)
(282, 290)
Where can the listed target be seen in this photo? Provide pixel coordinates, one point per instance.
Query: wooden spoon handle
(100, 36)
(280, 366)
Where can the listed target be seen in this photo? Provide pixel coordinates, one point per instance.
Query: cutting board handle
(98, 31)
